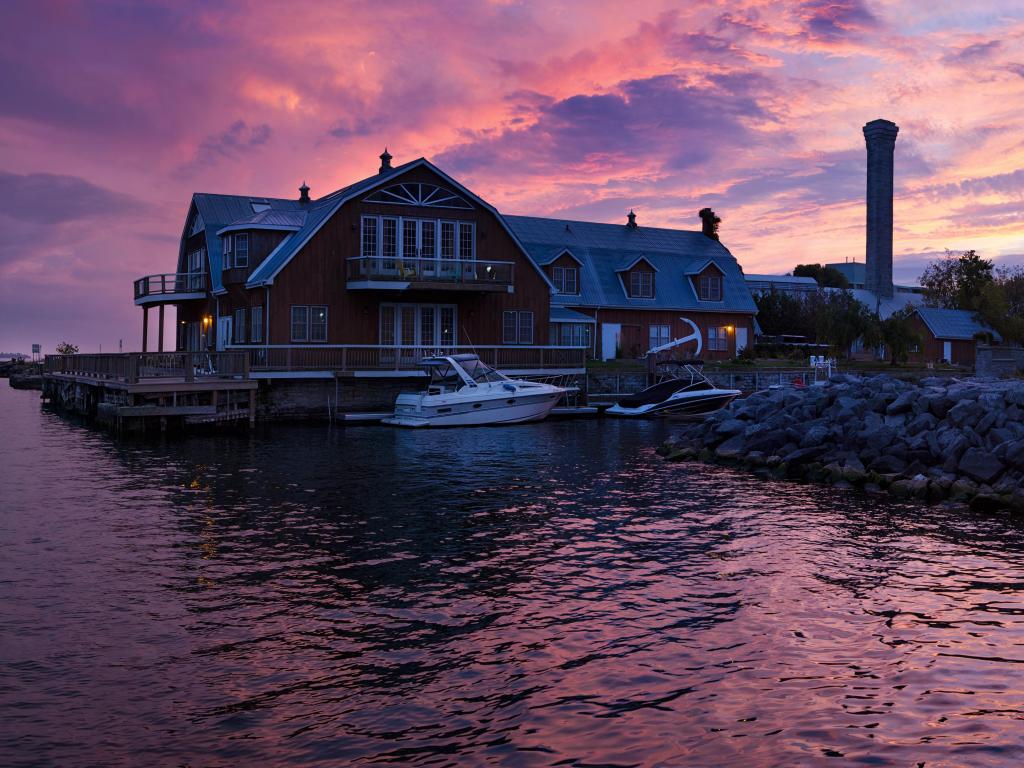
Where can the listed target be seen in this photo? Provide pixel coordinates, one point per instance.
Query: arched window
(425, 195)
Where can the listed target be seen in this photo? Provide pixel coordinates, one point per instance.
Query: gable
(421, 172)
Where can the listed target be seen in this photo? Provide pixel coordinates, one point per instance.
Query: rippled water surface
(550, 594)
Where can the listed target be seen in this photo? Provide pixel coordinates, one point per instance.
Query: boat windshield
(481, 372)
(445, 375)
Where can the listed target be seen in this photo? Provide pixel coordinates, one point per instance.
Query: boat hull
(707, 401)
(511, 409)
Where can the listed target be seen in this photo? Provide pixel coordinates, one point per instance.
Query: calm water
(551, 594)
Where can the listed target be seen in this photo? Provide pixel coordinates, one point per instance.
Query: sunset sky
(113, 113)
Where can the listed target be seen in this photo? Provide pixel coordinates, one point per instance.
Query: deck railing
(131, 367)
(173, 282)
(361, 357)
(466, 272)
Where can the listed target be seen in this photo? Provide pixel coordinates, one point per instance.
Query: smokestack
(880, 136)
(709, 223)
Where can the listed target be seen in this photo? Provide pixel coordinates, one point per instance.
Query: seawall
(936, 440)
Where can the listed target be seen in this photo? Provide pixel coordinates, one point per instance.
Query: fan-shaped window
(426, 195)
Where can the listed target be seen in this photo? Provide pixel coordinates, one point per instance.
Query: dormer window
(710, 288)
(236, 251)
(566, 279)
(641, 284)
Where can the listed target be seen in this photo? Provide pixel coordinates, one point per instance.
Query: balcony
(373, 360)
(374, 273)
(152, 367)
(170, 288)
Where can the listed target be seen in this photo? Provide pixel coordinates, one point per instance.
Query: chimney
(385, 161)
(304, 193)
(631, 220)
(880, 136)
(709, 223)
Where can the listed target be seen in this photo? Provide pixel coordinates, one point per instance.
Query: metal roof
(321, 210)
(219, 211)
(781, 279)
(954, 323)
(884, 307)
(272, 219)
(566, 315)
(602, 249)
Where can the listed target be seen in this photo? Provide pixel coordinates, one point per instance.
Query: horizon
(750, 108)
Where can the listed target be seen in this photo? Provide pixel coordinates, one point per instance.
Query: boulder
(887, 464)
(980, 465)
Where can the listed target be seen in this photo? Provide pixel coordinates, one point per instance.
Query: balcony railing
(479, 273)
(363, 357)
(131, 367)
(172, 283)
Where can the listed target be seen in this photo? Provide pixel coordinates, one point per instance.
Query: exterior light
(207, 320)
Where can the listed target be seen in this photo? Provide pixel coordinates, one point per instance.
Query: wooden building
(949, 335)
(629, 286)
(370, 278)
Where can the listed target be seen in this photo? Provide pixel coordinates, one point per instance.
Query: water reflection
(540, 595)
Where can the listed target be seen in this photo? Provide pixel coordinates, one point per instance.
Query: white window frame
(303, 311)
(658, 334)
(718, 338)
(256, 324)
(517, 327)
(314, 309)
(560, 277)
(428, 246)
(226, 250)
(637, 280)
(240, 238)
(196, 261)
(388, 316)
(704, 292)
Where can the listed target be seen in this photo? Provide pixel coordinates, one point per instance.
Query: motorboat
(682, 388)
(464, 391)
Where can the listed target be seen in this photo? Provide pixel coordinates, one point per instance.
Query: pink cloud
(114, 114)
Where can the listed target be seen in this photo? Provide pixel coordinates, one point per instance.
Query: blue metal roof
(218, 211)
(603, 249)
(566, 315)
(954, 323)
(884, 307)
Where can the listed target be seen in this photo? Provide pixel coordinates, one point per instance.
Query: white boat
(463, 391)
(683, 389)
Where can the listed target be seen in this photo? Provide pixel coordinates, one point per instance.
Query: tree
(839, 319)
(780, 313)
(898, 334)
(1002, 304)
(957, 281)
(64, 348)
(826, 277)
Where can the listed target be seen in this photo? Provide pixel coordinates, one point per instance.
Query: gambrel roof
(605, 249)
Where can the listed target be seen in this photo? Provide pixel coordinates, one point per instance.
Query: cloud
(231, 144)
(973, 53)
(52, 199)
(835, 20)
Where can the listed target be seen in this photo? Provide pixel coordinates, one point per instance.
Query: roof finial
(304, 192)
(385, 161)
(631, 220)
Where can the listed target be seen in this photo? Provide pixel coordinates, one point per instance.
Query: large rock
(980, 465)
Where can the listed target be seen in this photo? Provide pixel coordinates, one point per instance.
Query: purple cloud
(836, 20)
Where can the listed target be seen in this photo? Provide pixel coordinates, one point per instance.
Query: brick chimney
(709, 223)
(880, 136)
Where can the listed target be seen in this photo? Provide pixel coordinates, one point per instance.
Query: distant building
(853, 271)
(949, 335)
(796, 286)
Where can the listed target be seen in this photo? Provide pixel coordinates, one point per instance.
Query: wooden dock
(153, 390)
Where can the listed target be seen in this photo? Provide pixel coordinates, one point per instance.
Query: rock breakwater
(937, 440)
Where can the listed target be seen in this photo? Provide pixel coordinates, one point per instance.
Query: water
(552, 594)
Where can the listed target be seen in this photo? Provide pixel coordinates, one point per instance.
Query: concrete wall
(999, 361)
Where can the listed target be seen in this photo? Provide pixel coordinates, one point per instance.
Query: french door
(417, 329)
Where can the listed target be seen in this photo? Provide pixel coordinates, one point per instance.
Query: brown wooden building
(408, 262)
(949, 335)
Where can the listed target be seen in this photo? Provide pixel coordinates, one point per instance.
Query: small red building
(949, 335)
